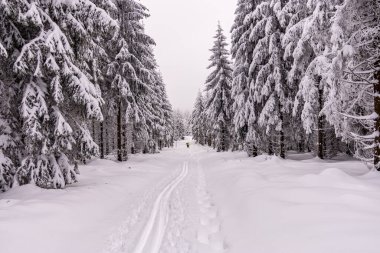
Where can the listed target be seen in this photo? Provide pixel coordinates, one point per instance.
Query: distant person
(188, 145)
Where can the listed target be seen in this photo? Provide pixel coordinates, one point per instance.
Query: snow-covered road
(199, 201)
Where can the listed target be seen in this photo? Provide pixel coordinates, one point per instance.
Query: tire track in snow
(153, 233)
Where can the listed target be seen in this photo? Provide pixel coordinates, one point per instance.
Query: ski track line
(154, 230)
(209, 235)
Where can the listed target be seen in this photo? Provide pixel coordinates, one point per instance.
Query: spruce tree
(353, 80)
(9, 138)
(269, 75)
(244, 120)
(135, 83)
(178, 125)
(198, 121)
(218, 85)
(49, 58)
(164, 120)
(309, 67)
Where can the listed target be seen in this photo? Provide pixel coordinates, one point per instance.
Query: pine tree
(353, 105)
(135, 81)
(310, 65)
(321, 54)
(9, 138)
(242, 52)
(49, 59)
(268, 72)
(119, 95)
(198, 121)
(218, 84)
(178, 125)
(293, 14)
(10, 134)
(166, 134)
(58, 78)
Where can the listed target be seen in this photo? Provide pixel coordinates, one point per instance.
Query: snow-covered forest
(116, 137)
(304, 76)
(77, 79)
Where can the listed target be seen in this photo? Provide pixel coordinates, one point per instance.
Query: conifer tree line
(78, 79)
(181, 124)
(305, 77)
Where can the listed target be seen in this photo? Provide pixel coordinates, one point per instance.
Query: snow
(198, 200)
(82, 217)
(296, 206)
(158, 220)
(3, 51)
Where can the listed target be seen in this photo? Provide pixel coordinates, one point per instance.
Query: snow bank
(303, 205)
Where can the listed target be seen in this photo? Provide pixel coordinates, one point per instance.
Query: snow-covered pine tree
(118, 94)
(198, 122)
(9, 137)
(7, 171)
(218, 85)
(164, 119)
(187, 118)
(169, 125)
(310, 66)
(293, 12)
(10, 126)
(353, 103)
(209, 133)
(131, 70)
(268, 72)
(46, 43)
(178, 125)
(244, 120)
(156, 121)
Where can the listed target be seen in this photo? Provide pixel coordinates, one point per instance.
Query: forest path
(179, 215)
(155, 228)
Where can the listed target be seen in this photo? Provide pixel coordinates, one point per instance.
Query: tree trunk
(159, 145)
(101, 141)
(301, 147)
(119, 134)
(93, 131)
(282, 136)
(321, 130)
(282, 144)
(124, 145)
(223, 140)
(83, 151)
(107, 141)
(376, 151)
(270, 146)
(254, 151)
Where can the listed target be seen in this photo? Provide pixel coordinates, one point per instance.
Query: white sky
(183, 31)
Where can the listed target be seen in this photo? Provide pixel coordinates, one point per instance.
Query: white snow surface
(198, 201)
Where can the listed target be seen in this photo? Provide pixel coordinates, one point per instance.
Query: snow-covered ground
(307, 206)
(199, 201)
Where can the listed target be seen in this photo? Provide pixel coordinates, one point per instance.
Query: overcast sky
(183, 31)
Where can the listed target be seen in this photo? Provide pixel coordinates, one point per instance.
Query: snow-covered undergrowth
(300, 205)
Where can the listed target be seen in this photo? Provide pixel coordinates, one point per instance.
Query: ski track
(209, 235)
(117, 241)
(154, 231)
(158, 232)
(120, 240)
